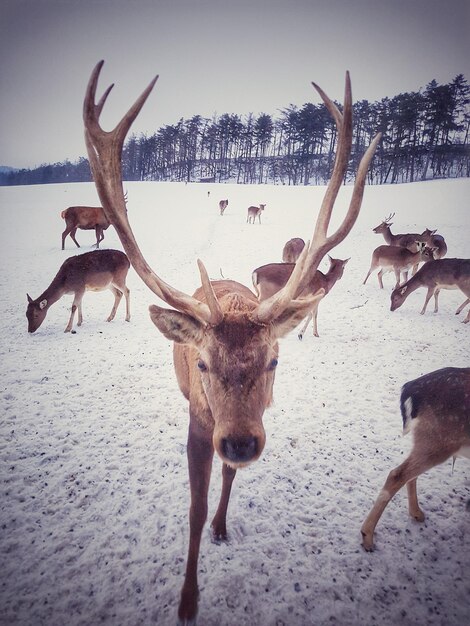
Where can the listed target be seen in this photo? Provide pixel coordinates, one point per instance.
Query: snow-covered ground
(94, 488)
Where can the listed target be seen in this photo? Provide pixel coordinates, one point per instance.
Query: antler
(321, 243)
(104, 151)
(390, 217)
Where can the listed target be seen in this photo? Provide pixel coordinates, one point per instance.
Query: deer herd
(226, 336)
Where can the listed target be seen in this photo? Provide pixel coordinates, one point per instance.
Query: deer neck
(387, 233)
(54, 292)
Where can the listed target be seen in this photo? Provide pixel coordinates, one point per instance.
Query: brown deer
(254, 212)
(85, 218)
(436, 275)
(292, 250)
(406, 240)
(436, 408)
(396, 259)
(225, 341)
(269, 279)
(223, 204)
(92, 271)
(437, 243)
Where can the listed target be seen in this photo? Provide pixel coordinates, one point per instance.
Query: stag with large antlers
(225, 341)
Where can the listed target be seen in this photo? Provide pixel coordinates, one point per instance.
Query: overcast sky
(213, 56)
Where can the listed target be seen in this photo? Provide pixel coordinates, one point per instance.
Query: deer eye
(273, 365)
(201, 366)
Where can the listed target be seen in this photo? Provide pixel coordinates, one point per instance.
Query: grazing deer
(223, 204)
(436, 408)
(85, 218)
(92, 271)
(269, 279)
(396, 259)
(406, 240)
(225, 341)
(437, 243)
(292, 250)
(436, 275)
(254, 212)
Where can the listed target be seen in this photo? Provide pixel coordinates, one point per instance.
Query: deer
(406, 240)
(437, 243)
(254, 212)
(436, 275)
(85, 218)
(225, 341)
(292, 250)
(92, 271)
(223, 204)
(397, 259)
(436, 408)
(268, 279)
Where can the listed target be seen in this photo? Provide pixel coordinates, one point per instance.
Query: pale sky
(213, 56)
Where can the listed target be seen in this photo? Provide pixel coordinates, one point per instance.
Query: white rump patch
(408, 405)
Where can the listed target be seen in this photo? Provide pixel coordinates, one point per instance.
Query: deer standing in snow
(254, 212)
(436, 408)
(92, 271)
(292, 250)
(436, 275)
(405, 240)
(437, 243)
(396, 259)
(223, 204)
(85, 218)
(225, 341)
(270, 278)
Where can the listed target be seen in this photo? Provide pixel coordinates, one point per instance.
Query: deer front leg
(462, 306)
(200, 452)
(219, 523)
(77, 304)
(72, 234)
(428, 297)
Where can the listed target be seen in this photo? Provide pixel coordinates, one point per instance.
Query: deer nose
(239, 449)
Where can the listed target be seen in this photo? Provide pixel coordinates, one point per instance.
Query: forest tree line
(425, 135)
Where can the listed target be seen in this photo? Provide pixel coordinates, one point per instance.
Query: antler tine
(330, 105)
(321, 242)
(104, 152)
(344, 126)
(269, 309)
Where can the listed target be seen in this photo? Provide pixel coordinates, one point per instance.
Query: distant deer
(292, 250)
(436, 408)
(269, 279)
(225, 341)
(437, 243)
(396, 259)
(254, 212)
(85, 218)
(223, 204)
(92, 271)
(436, 275)
(406, 240)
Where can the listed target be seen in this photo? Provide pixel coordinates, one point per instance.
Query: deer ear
(43, 304)
(177, 326)
(29, 298)
(295, 313)
(403, 290)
